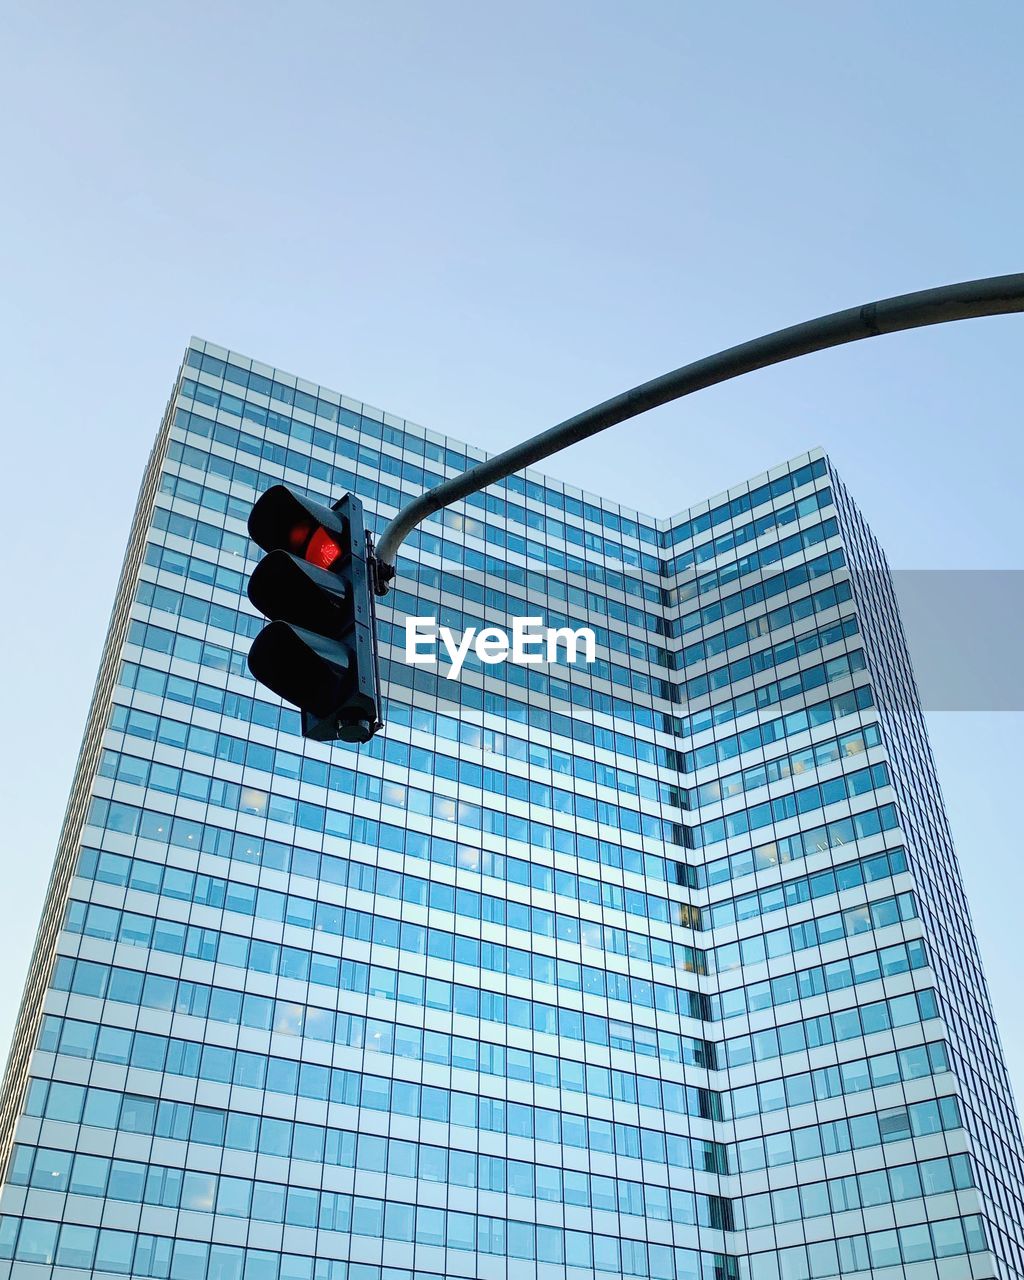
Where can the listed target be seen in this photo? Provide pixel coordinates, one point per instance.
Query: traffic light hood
(281, 520)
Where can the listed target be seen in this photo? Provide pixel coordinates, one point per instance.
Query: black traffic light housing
(319, 651)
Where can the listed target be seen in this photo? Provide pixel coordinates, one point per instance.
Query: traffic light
(319, 651)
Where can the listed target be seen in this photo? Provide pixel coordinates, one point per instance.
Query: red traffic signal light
(321, 549)
(319, 651)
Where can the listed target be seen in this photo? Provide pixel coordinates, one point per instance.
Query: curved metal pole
(998, 295)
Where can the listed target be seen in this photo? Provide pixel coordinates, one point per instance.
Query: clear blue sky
(486, 217)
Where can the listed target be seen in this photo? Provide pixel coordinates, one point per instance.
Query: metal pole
(996, 296)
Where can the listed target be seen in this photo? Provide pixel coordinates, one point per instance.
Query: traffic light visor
(286, 589)
(303, 668)
(282, 521)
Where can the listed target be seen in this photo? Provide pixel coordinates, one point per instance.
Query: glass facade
(658, 967)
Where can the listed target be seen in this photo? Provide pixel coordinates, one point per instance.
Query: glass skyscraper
(657, 967)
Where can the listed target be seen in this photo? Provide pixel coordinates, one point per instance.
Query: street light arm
(998, 295)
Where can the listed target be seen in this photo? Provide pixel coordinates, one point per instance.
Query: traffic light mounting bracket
(373, 566)
(350, 509)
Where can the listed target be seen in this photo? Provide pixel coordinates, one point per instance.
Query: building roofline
(660, 523)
